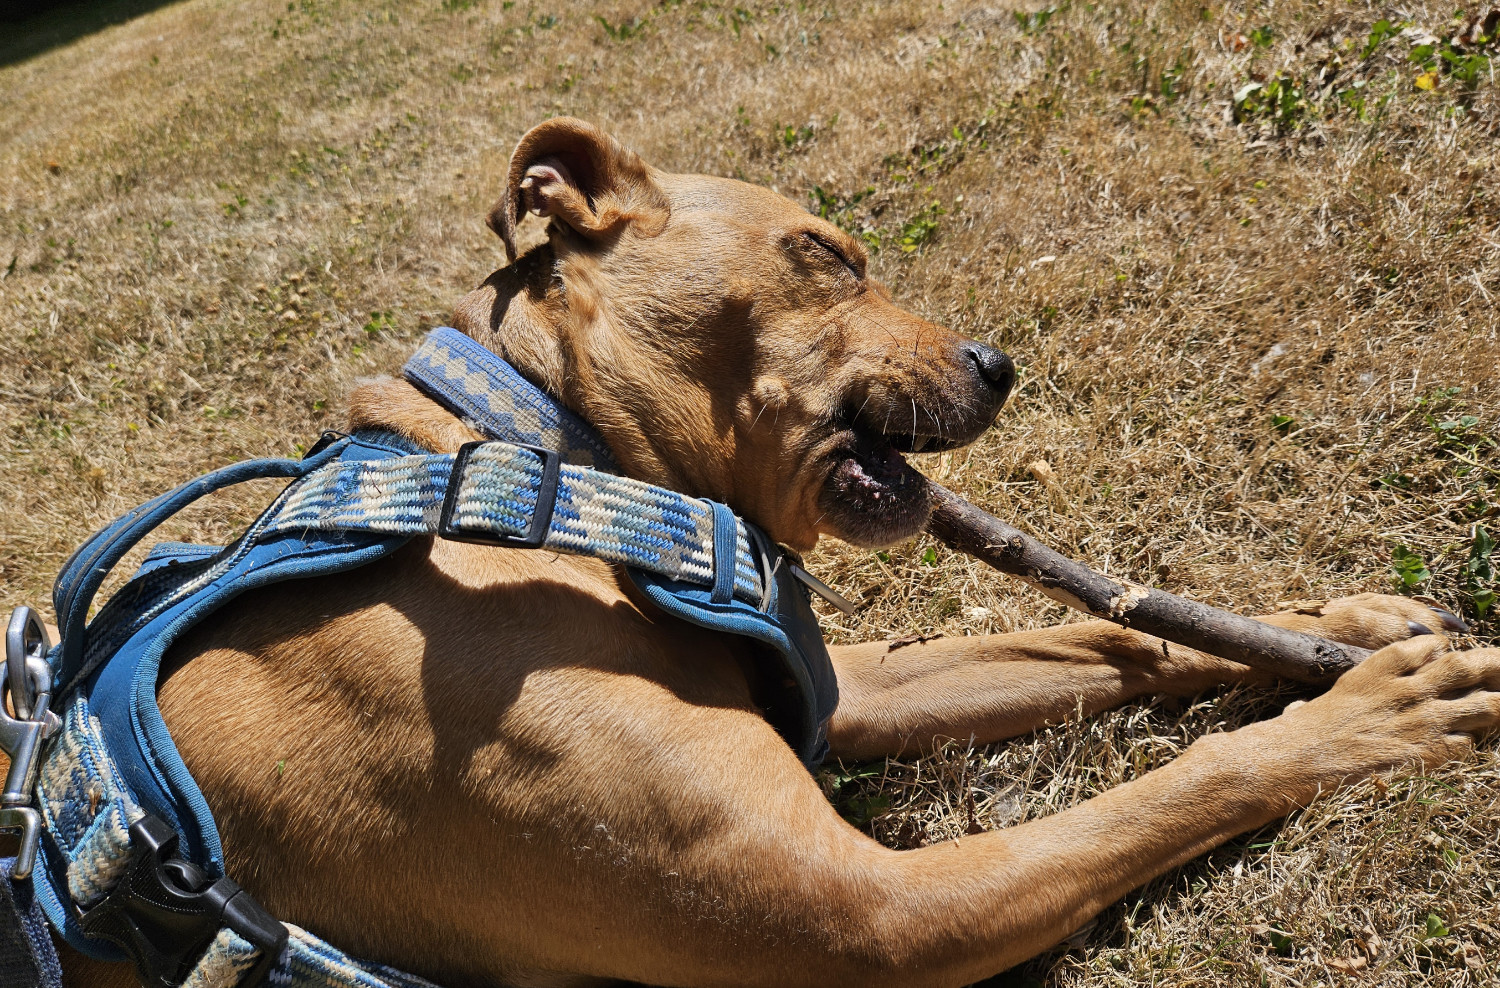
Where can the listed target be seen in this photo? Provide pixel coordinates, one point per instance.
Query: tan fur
(504, 767)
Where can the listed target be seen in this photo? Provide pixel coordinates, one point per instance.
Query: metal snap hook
(25, 643)
(28, 683)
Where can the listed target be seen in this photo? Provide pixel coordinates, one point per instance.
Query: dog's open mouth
(873, 496)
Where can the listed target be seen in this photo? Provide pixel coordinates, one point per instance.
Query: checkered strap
(497, 496)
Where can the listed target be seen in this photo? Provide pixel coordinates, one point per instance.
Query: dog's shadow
(478, 646)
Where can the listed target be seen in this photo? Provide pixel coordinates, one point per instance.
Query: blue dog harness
(128, 865)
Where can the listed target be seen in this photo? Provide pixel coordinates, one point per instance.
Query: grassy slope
(215, 216)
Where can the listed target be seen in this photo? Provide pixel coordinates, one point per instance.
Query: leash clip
(541, 515)
(28, 686)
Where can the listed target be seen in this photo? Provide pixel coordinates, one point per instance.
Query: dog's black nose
(995, 367)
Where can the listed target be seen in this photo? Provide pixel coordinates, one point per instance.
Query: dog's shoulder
(394, 405)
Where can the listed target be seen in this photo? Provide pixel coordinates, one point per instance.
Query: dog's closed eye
(816, 242)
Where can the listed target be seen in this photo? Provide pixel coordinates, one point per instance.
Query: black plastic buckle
(165, 911)
(541, 516)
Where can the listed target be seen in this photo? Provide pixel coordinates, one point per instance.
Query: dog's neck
(522, 313)
(515, 313)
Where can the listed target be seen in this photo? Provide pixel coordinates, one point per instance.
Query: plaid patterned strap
(463, 376)
(495, 497)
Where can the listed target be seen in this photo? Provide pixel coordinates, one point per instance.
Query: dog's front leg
(898, 699)
(744, 876)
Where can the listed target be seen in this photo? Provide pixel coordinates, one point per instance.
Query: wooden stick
(1290, 654)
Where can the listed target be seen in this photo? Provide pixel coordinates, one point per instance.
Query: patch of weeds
(234, 205)
(793, 139)
(1465, 65)
(841, 212)
(854, 792)
(1461, 440)
(1409, 567)
(1262, 37)
(939, 155)
(1279, 101)
(1171, 83)
(1354, 99)
(379, 322)
(920, 229)
(1466, 68)
(1479, 572)
(1034, 21)
(1283, 424)
(1382, 31)
(1436, 397)
(738, 18)
(1481, 506)
(623, 31)
(796, 138)
(1281, 942)
(1433, 928)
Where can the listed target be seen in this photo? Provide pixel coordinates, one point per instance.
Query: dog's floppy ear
(569, 169)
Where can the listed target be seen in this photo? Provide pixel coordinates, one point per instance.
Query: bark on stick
(1290, 654)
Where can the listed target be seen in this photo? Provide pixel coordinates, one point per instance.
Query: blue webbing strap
(726, 533)
(28, 958)
(87, 569)
(464, 376)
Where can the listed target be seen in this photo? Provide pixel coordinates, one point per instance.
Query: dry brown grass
(1238, 338)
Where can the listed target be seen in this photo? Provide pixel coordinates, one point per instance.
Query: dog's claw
(1417, 629)
(1451, 621)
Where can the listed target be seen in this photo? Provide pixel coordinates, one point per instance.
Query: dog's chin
(872, 496)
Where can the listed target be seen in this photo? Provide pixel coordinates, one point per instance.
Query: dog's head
(726, 343)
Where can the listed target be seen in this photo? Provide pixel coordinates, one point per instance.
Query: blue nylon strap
(726, 536)
(86, 571)
(464, 376)
(27, 957)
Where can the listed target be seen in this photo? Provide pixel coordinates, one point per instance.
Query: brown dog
(504, 767)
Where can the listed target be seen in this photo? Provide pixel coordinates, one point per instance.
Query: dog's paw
(1412, 703)
(1368, 620)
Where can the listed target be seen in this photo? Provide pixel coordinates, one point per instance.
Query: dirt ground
(1246, 255)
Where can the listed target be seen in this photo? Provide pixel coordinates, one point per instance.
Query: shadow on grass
(30, 27)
